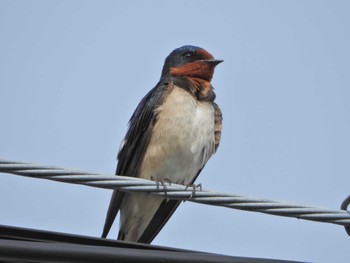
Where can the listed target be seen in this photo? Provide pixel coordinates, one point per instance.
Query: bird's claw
(162, 182)
(194, 189)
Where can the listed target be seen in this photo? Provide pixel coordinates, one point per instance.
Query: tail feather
(114, 206)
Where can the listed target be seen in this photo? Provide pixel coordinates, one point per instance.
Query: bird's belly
(182, 139)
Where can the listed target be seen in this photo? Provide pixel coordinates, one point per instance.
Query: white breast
(182, 140)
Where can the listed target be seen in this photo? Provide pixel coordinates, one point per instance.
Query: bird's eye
(188, 54)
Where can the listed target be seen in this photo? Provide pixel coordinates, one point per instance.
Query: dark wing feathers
(138, 135)
(218, 125)
(164, 212)
(135, 144)
(112, 212)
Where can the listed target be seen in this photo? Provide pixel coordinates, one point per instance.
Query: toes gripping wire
(163, 183)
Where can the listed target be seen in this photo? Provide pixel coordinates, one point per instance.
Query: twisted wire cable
(179, 192)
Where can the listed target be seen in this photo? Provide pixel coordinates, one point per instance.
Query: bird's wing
(135, 144)
(218, 125)
(164, 212)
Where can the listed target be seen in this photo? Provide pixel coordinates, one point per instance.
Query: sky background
(72, 73)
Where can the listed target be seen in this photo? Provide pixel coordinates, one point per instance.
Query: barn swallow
(172, 133)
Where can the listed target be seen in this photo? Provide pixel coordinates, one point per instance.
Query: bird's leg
(164, 187)
(166, 180)
(162, 182)
(194, 188)
(156, 180)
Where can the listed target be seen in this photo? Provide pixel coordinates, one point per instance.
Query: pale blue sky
(72, 72)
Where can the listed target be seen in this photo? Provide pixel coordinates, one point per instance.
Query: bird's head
(190, 61)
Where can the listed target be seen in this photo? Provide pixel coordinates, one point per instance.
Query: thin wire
(175, 191)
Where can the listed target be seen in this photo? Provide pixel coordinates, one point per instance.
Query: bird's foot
(194, 189)
(162, 182)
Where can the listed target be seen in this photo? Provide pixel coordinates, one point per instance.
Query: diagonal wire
(175, 191)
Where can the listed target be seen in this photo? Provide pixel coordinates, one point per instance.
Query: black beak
(213, 61)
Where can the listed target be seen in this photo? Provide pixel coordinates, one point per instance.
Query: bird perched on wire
(172, 133)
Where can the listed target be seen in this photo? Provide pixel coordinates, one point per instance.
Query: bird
(173, 132)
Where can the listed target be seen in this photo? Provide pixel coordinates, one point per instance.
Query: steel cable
(175, 191)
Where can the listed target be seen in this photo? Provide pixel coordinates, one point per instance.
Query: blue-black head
(185, 55)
